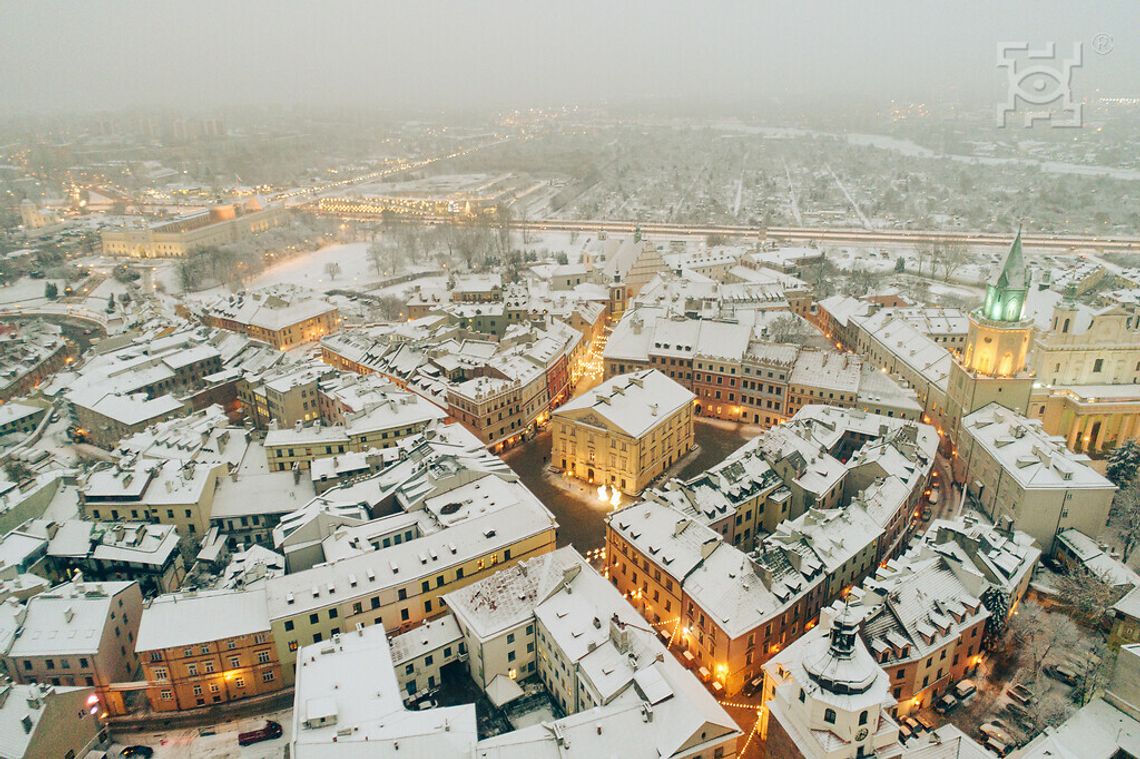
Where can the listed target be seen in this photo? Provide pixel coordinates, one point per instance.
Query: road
(825, 234)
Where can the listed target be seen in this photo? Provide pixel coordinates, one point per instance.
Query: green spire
(1007, 287)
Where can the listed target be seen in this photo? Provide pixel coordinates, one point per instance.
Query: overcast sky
(93, 54)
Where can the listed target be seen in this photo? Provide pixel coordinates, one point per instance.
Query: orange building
(204, 648)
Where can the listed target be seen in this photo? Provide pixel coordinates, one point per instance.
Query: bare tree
(952, 257)
(1035, 633)
(377, 254)
(1095, 672)
(788, 329)
(503, 215)
(389, 307)
(1124, 518)
(1088, 596)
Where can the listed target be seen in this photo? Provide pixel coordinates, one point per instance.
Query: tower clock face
(862, 734)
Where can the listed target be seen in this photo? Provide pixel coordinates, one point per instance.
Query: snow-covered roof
(348, 703)
(68, 619)
(633, 403)
(191, 618)
(1029, 455)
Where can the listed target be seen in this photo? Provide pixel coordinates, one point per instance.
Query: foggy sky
(97, 54)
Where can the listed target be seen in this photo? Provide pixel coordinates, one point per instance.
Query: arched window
(863, 717)
(803, 696)
(1006, 367)
(829, 716)
(1065, 326)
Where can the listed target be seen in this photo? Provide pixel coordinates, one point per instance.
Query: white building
(1015, 470)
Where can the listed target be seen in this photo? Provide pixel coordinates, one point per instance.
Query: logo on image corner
(1039, 84)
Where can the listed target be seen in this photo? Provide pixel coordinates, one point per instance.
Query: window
(267, 676)
(288, 625)
(863, 717)
(154, 656)
(239, 682)
(1098, 364)
(235, 662)
(166, 695)
(263, 657)
(829, 716)
(160, 673)
(192, 669)
(803, 696)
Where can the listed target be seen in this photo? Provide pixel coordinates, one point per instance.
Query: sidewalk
(203, 717)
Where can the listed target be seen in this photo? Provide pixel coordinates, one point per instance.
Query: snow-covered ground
(184, 743)
(308, 269)
(27, 291)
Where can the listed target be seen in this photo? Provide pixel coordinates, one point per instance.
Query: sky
(201, 54)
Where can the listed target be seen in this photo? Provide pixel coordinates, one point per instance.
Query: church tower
(993, 366)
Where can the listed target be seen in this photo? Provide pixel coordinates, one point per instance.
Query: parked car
(964, 689)
(904, 731)
(996, 730)
(269, 732)
(935, 495)
(754, 686)
(1064, 673)
(427, 703)
(146, 752)
(1020, 694)
(998, 747)
(926, 722)
(946, 704)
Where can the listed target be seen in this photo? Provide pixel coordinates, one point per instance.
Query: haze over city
(495, 380)
(99, 55)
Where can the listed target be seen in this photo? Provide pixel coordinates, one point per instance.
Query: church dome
(840, 663)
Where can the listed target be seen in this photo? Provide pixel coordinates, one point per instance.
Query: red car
(269, 732)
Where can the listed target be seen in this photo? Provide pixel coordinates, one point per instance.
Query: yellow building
(282, 318)
(994, 365)
(198, 649)
(625, 432)
(492, 521)
(1088, 367)
(176, 238)
(1126, 620)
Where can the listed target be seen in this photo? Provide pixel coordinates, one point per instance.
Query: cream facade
(625, 432)
(220, 225)
(1017, 471)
